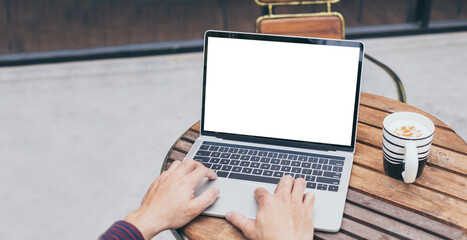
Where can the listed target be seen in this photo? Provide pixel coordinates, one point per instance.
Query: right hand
(288, 214)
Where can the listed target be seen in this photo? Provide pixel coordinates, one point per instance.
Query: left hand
(170, 201)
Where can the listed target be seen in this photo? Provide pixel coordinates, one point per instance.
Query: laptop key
(287, 173)
(292, 157)
(244, 163)
(222, 174)
(302, 158)
(255, 159)
(201, 159)
(282, 156)
(316, 166)
(310, 178)
(225, 161)
(333, 188)
(236, 169)
(262, 154)
(204, 147)
(273, 155)
(245, 157)
(312, 160)
(235, 156)
(233, 150)
(253, 178)
(285, 162)
(265, 160)
(265, 166)
(278, 174)
(243, 151)
(254, 165)
(226, 168)
(332, 175)
(275, 161)
(307, 171)
(214, 148)
(295, 164)
(285, 168)
(234, 162)
(296, 170)
(336, 163)
(322, 187)
(203, 153)
(323, 161)
(328, 180)
(225, 155)
(311, 185)
(214, 160)
(215, 154)
(247, 170)
(306, 165)
(275, 167)
(223, 149)
(267, 173)
(216, 167)
(299, 176)
(317, 172)
(252, 152)
(257, 171)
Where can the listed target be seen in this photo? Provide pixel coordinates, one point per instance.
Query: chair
(326, 24)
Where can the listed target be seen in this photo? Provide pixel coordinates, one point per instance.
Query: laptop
(275, 105)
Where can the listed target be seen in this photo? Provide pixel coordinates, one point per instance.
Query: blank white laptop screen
(253, 87)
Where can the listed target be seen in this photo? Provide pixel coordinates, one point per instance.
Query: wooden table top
(377, 206)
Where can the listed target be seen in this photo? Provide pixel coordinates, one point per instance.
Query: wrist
(149, 227)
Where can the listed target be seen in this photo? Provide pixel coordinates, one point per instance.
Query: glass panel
(448, 10)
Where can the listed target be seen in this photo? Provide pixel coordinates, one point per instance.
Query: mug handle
(410, 162)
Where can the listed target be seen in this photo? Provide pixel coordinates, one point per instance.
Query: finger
(189, 165)
(204, 200)
(309, 199)
(174, 165)
(260, 193)
(285, 185)
(200, 172)
(246, 225)
(298, 189)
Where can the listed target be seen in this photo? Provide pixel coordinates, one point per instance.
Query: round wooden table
(378, 207)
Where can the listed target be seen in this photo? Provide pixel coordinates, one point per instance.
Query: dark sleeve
(122, 230)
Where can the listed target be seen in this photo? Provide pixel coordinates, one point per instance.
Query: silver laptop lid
(289, 91)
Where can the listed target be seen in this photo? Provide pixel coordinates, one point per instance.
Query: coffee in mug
(407, 140)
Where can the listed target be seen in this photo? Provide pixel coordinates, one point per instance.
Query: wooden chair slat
(434, 178)
(312, 26)
(404, 215)
(176, 155)
(333, 236)
(191, 135)
(422, 200)
(202, 227)
(391, 105)
(440, 157)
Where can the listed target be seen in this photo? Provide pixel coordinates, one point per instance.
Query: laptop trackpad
(235, 195)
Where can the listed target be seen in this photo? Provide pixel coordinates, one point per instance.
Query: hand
(288, 214)
(170, 201)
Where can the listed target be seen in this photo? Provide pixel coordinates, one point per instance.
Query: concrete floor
(81, 142)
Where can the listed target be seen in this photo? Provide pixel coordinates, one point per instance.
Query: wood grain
(317, 26)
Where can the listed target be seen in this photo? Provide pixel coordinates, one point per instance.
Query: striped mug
(407, 139)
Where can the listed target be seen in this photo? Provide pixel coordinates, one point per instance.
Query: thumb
(246, 225)
(205, 199)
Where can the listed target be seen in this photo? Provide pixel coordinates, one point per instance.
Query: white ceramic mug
(405, 152)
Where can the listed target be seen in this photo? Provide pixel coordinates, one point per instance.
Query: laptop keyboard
(321, 172)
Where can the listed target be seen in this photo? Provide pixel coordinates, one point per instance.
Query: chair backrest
(323, 24)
